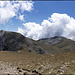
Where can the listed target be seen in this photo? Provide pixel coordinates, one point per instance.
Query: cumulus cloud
(56, 25)
(10, 9)
(26, 6)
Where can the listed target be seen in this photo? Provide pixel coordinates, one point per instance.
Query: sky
(39, 19)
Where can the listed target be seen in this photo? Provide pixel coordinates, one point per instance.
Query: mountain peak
(13, 41)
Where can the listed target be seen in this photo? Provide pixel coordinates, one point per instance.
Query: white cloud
(56, 25)
(26, 6)
(9, 9)
(21, 17)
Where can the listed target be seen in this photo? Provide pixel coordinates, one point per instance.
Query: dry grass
(45, 64)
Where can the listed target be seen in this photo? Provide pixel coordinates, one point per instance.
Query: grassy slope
(49, 48)
(55, 64)
(64, 45)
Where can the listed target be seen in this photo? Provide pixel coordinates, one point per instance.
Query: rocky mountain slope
(52, 40)
(13, 41)
(62, 43)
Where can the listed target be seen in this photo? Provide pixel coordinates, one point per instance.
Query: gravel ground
(7, 68)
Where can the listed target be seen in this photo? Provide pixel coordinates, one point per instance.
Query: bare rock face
(12, 41)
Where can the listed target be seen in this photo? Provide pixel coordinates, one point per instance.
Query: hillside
(62, 43)
(12, 41)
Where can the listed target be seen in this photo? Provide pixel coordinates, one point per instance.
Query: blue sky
(42, 10)
(39, 11)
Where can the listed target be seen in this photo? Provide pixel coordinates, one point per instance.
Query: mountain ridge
(60, 42)
(13, 41)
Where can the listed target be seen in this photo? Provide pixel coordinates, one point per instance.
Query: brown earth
(18, 62)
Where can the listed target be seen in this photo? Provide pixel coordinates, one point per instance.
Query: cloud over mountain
(57, 25)
(9, 9)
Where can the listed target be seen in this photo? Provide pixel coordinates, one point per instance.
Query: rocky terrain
(36, 64)
(12, 41)
(8, 68)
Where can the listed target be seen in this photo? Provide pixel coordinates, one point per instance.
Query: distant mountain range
(13, 41)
